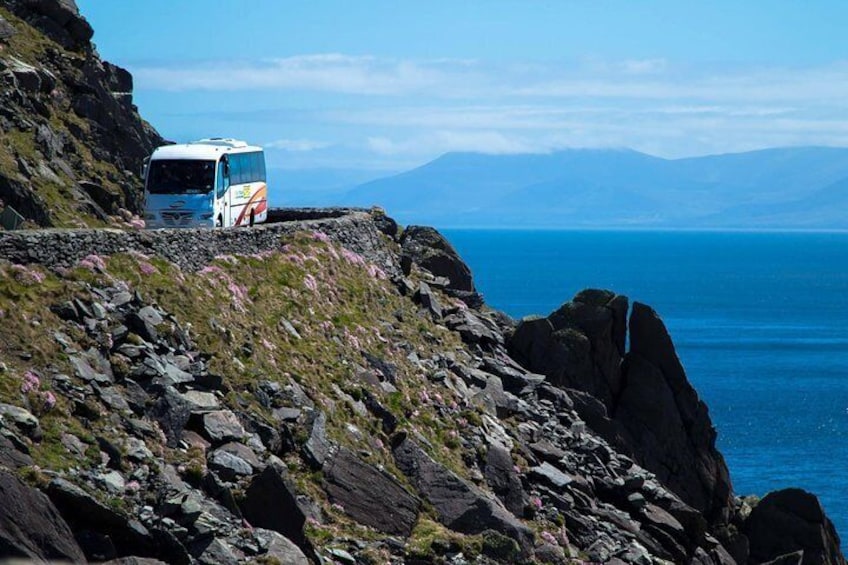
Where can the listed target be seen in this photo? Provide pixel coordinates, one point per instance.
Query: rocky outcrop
(669, 425)
(790, 526)
(430, 250)
(75, 142)
(639, 400)
(31, 527)
(458, 504)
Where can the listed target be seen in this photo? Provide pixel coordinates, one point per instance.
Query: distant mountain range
(784, 188)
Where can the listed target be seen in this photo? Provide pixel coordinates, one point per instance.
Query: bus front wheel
(251, 218)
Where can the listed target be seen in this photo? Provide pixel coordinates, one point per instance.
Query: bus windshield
(180, 176)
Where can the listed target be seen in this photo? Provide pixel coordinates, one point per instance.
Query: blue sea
(760, 322)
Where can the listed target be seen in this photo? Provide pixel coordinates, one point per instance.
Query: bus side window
(235, 169)
(255, 172)
(261, 166)
(223, 179)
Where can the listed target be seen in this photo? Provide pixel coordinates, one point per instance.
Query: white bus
(211, 182)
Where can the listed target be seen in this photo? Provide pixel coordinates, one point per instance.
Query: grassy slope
(233, 311)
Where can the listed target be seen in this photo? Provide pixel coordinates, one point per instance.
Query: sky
(387, 85)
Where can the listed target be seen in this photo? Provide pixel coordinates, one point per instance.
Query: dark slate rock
(459, 505)
(428, 300)
(85, 514)
(22, 419)
(551, 475)
(473, 329)
(515, 379)
(31, 526)
(276, 546)
(172, 413)
(389, 421)
(134, 561)
(368, 495)
(387, 370)
(214, 551)
(228, 466)
(144, 323)
(11, 457)
(791, 520)
(504, 481)
(430, 250)
(66, 311)
(271, 502)
(318, 446)
(669, 423)
(221, 426)
(84, 369)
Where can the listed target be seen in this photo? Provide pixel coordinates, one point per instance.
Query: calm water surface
(760, 321)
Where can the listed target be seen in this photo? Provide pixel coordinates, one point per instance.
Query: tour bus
(211, 182)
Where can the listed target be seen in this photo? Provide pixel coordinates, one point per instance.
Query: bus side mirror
(226, 166)
(144, 165)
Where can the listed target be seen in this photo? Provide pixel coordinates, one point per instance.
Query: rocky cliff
(325, 388)
(72, 140)
(309, 391)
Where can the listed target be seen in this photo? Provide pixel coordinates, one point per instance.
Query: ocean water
(759, 320)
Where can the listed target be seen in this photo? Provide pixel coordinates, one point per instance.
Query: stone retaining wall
(191, 249)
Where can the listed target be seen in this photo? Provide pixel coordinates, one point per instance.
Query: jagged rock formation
(640, 401)
(73, 141)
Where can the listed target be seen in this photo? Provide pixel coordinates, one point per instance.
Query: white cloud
(443, 141)
(297, 144)
(330, 72)
(415, 109)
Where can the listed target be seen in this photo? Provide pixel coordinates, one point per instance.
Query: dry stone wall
(191, 249)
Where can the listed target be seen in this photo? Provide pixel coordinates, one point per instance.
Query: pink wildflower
(353, 258)
(133, 486)
(146, 268)
(295, 258)
(338, 507)
(376, 272)
(536, 502)
(423, 396)
(378, 443)
(549, 537)
(27, 276)
(49, 400)
(31, 382)
(320, 236)
(209, 269)
(326, 326)
(93, 263)
(137, 223)
(310, 283)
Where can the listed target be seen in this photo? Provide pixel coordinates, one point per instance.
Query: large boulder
(370, 496)
(103, 532)
(429, 249)
(271, 502)
(31, 526)
(459, 505)
(790, 521)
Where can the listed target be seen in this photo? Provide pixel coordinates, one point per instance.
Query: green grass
(339, 310)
